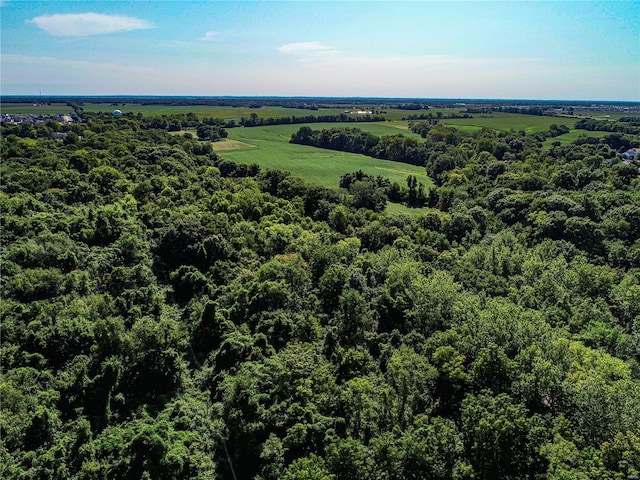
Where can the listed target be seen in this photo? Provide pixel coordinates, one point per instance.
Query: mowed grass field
(269, 147)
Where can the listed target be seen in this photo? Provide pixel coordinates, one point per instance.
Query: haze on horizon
(569, 50)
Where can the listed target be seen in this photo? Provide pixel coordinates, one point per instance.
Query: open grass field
(23, 108)
(223, 112)
(270, 148)
(400, 209)
(229, 144)
(509, 121)
(574, 135)
(285, 131)
(605, 115)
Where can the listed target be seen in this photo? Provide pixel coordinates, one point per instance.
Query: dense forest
(167, 314)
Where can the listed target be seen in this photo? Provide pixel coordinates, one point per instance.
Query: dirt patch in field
(227, 144)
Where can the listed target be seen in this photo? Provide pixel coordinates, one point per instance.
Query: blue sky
(534, 50)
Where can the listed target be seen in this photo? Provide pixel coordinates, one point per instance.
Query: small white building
(631, 153)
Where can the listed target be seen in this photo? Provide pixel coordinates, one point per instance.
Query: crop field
(23, 108)
(269, 147)
(509, 121)
(615, 115)
(222, 112)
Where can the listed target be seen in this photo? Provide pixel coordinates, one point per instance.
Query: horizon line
(311, 97)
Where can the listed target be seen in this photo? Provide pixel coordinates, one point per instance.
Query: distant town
(38, 118)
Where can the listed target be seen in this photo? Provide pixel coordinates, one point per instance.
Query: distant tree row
(631, 120)
(255, 121)
(608, 126)
(538, 111)
(398, 148)
(437, 115)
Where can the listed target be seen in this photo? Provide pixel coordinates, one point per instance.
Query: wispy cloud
(210, 36)
(428, 76)
(61, 64)
(30, 73)
(308, 50)
(85, 24)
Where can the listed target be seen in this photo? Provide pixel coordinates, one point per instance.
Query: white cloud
(307, 50)
(210, 36)
(85, 24)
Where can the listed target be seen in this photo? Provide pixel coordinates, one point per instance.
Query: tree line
(590, 124)
(398, 148)
(255, 121)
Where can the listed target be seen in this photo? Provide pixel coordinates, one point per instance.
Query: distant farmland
(222, 112)
(269, 147)
(37, 109)
(395, 124)
(495, 120)
(509, 121)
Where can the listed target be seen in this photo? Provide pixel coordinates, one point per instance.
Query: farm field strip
(614, 115)
(495, 120)
(28, 108)
(510, 121)
(229, 144)
(499, 121)
(222, 112)
(319, 166)
(285, 131)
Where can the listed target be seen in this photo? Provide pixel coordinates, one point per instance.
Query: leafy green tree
(309, 468)
(367, 195)
(502, 440)
(413, 379)
(433, 448)
(354, 319)
(492, 369)
(153, 366)
(348, 458)
(434, 299)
